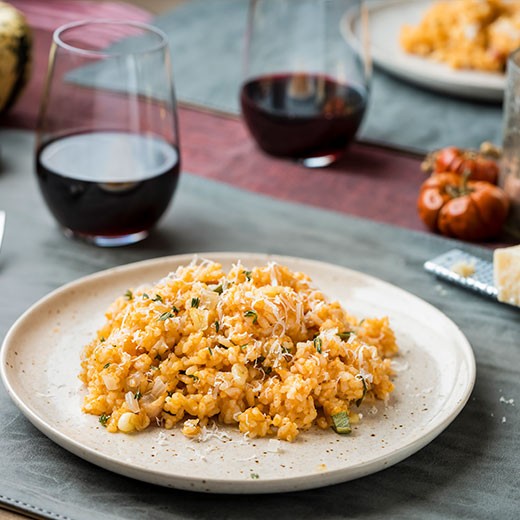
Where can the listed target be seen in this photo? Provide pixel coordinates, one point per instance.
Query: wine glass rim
(57, 37)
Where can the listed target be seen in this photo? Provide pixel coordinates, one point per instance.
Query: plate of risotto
(453, 46)
(237, 372)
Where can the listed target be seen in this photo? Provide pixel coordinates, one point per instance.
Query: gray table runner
(206, 39)
(470, 470)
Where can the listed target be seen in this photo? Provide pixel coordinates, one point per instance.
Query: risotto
(261, 348)
(466, 34)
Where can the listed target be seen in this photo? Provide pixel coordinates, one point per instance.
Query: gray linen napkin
(470, 470)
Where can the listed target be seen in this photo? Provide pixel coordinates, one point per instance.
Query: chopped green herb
(107, 365)
(157, 298)
(195, 302)
(255, 476)
(259, 360)
(361, 322)
(138, 395)
(317, 344)
(158, 357)
(267, 370)
(165, 315)
(344, 335)
(222, 346)
(170, 393)
(217, 326)
(219, 289)
(102, 339)
(248, 275)
(251, 314)
(103, 419)
(341, 423)
(360, 400)
(145, 296)
(194, 377)
(244, 345)
(129, 295)
(175, 310)
(210, 351)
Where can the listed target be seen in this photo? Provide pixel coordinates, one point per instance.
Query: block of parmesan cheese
(506, 274)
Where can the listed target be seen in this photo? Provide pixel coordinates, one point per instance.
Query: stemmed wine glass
(307, 74)
(107, 152)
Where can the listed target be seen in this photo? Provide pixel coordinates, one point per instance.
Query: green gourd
(15, 54)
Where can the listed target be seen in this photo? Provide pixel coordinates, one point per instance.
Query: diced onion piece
(132, 402)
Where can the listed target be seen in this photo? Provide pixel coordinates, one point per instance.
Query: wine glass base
(107, 241)
(320, 162)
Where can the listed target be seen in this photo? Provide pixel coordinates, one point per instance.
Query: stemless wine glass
(107, 152)
(307, 74)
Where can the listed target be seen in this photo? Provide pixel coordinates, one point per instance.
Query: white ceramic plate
(386, 19)
(40, 363)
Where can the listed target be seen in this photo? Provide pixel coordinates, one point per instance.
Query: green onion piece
(107, 365)
(360, 400)
(129, 295)
(103, 419)
(344, 335)
(341, 423)
(145, 296)
(195, 302)
(219, 289)
(251, 314)
(217, 326)
(317, 344)
(165, 315)
(157, 298)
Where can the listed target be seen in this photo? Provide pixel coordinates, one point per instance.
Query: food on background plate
(466, 34)
(506, 274)
(459, 208)
(261, 348)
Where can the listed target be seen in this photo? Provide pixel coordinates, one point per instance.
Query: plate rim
(432, 75)
(265, 485)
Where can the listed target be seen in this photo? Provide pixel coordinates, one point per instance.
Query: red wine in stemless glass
(107, 146)
(301, 115)
(107, 184)
(306, 77)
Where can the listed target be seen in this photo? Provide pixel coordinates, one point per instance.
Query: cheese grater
(481, 280)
